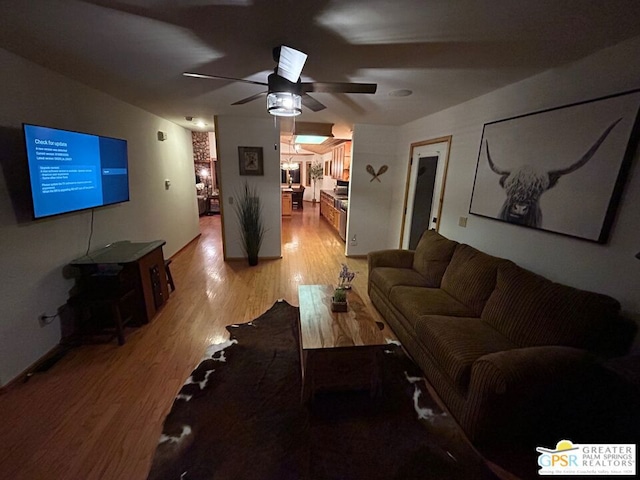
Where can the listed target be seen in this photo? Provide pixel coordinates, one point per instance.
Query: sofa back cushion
(531, 310)
(471, 276)
(432, 256)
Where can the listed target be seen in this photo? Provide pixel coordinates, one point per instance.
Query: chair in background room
(201, 195)
(296, 197)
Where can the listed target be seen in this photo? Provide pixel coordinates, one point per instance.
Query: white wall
(370, 202)
(34, 253)
(611, 268)
(231, 133)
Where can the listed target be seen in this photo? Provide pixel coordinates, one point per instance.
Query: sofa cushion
(414, 302)
(456, 342)
(385, 278)
(471, 277)
(532, 310)
(432, 255)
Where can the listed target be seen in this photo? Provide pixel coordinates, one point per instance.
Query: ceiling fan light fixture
(284, 104)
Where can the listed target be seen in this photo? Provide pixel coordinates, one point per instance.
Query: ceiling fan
(285, 92)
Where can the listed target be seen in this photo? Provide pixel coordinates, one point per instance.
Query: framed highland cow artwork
(560, 170)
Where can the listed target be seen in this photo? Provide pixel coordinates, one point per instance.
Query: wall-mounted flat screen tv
(71, 171)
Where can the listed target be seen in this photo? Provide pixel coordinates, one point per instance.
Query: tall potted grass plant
(249, 212)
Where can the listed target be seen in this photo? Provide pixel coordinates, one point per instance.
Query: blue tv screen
(71, 171)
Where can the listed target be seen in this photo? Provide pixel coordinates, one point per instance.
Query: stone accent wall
(201, 147)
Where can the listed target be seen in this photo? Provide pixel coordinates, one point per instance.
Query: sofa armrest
(512, 370)
(516, 389)
(390, 258)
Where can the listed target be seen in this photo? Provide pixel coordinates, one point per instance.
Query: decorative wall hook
(373, 173)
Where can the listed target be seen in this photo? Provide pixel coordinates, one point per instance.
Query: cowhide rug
(239, 416)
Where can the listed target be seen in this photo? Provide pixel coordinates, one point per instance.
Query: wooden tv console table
(139, 266)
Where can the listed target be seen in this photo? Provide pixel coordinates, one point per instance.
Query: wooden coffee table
(339, 350)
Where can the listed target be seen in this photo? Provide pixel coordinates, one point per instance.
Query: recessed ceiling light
(400, 93)
(310, 139)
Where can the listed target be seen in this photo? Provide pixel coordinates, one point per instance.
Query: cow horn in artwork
(554, 175)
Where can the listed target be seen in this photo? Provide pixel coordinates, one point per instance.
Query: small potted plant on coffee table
(339, 300)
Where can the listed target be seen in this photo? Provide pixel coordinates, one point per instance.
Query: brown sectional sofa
(495, 341)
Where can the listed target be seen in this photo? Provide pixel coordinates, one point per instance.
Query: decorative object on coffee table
(339, 300)
(345, 277)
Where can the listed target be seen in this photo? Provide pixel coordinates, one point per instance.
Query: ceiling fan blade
(290, 63)
(311, 103)
(249, 99)
(339, 87)
(218, 77)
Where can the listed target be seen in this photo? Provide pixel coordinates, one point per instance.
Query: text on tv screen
(72, 171)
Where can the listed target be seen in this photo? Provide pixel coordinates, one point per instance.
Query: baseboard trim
(238, 259)
(186, 245)
(27, 373)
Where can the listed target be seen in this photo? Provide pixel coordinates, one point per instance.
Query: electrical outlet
(354, 241)
(462, 221)
(230, 200)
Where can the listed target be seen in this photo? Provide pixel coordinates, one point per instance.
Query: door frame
(447, 139)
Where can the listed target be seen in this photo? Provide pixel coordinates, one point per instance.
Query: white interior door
(424, 159)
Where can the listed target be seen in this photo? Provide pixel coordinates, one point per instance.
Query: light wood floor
(98, 413)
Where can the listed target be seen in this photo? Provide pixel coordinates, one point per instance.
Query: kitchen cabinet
(287, 203)
(341, 161)
(328, 209)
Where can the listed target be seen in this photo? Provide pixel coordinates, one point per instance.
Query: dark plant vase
(339, 306)
(249, 212)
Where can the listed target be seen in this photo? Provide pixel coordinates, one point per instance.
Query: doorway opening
(424, 191)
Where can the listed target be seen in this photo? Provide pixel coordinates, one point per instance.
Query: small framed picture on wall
(251, 161)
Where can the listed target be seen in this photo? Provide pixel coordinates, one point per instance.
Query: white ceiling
(445, 51)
